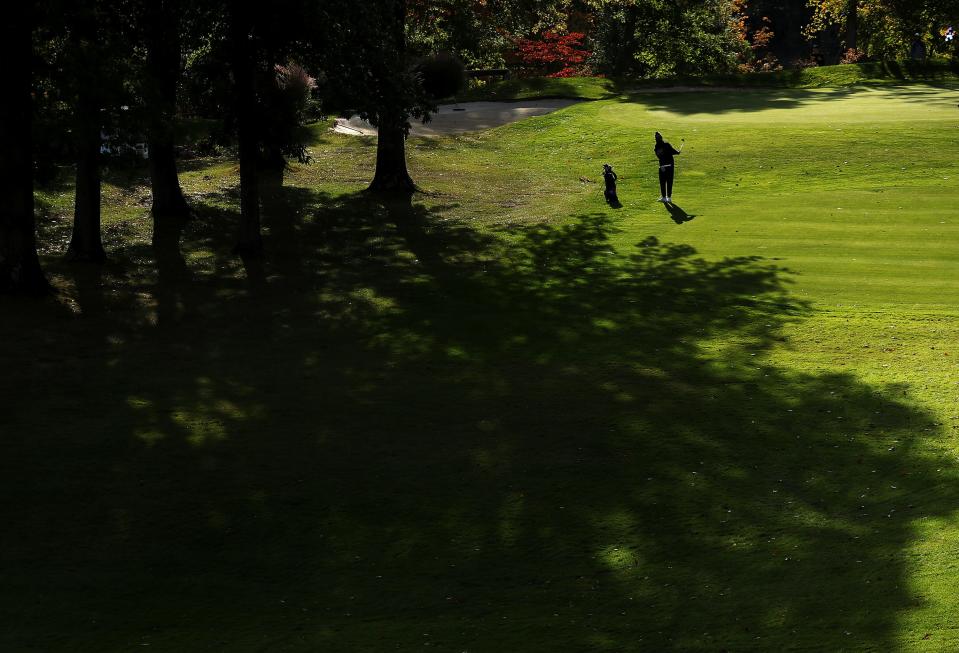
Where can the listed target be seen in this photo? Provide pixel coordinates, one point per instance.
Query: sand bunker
(463, 118)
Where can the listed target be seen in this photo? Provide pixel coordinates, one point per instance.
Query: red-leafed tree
(554, 54)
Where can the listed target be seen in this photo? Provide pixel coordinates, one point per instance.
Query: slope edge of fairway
(595, 88)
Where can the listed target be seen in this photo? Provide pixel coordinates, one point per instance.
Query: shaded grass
(398, 428)
(502, 416)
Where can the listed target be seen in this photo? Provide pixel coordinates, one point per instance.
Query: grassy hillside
(504, 416)
(595, 88)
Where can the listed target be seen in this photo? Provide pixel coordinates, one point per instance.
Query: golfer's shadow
(677, 214)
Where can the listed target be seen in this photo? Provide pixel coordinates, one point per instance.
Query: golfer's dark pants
(666, 181)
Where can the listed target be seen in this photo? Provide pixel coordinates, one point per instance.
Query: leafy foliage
(283, 113)
(662, 39)
(553, 54)
(757, 33)
(442, 75)
(884, 28)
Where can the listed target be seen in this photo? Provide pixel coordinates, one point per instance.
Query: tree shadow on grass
(412, 432)
(721, 100)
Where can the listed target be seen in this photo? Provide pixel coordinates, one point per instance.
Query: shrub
(554, 55)
(852, 55)
(283, 111)
(806, 62)
(442, 75)
(296, 86)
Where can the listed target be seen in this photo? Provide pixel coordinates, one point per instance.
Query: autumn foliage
(553, 54)
(757, 35)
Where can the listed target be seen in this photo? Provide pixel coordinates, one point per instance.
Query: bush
(553, 54)
(296, 86)
(284, 111)
(852, 55)
(805, 62)
(442, 75)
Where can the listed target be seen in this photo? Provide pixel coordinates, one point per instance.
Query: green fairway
(836, 183)
(504, 416)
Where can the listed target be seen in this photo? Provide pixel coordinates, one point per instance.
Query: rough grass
(504, 417)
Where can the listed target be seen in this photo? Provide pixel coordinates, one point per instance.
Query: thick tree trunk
(392, 175)
(250, 242)
(85, 244)
(272, 159)
(168, 197)
(163, 66)
(852, 24)
(830, 46)
(19, 266)
(172, 271)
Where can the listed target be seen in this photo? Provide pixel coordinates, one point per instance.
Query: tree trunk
(172, 271)
(250, 242)
(391, 174)
(168, 197)
(85, 244)
(163, 68)
(852, 24)
(272, 159)
(624, 56)
(829, 45)
(19, 266)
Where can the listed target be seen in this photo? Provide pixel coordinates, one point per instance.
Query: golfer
(610, 178)
(665, 152)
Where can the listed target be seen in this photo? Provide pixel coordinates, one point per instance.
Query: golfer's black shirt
(610, 178)
(664, 152)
